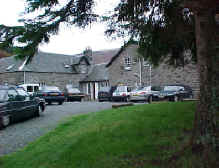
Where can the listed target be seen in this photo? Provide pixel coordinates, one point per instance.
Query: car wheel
(150, 99)
(39, 111)
(49, 103)
(175, 98)
(5, 121)
(128, 99)
(60, 103)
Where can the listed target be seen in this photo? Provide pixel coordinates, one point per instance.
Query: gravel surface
(20, 134)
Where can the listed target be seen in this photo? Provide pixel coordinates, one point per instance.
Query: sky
(69, 40)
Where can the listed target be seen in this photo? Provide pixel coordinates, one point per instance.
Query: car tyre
(39, 111)
(60, 103)
(5, 121)
(175, 98)
(150, 99)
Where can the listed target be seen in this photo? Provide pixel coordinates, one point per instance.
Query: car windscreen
(156, 88)
(3, 95)
(22, 92)
(50, 89)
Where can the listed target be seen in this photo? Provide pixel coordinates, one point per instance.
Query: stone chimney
(88, 53)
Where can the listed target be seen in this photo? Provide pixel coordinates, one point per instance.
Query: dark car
(105, 93)
(175, 92)
(74, 94)
(51, 94)
(16, 104)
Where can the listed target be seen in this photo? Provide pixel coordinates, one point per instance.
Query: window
(128, 61)
(83, 69)
(36, 88)
(29, 88)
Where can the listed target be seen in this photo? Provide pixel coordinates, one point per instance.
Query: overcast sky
(69, 40)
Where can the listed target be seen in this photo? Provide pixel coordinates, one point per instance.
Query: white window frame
(128, 60)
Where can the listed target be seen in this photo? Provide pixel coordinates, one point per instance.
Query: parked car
(144, 94)
(73, 94)
(31, 88)
(42, 102)
(105, 93)
(122, 93)
(16, 104)
(175, 92)
(51, 94)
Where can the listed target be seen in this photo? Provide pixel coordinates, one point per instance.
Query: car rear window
(171, 88)
(104, 89)
(73, 90)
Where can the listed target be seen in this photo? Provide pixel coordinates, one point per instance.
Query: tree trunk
(208, 66)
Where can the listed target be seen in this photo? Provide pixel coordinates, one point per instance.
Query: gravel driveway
(20, 134)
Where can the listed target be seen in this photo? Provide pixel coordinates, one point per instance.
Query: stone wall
(56, 79)
(187, 75)
(12, 78)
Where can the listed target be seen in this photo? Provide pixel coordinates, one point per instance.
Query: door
(94, 91)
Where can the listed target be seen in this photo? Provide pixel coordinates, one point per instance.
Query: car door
(15, 105)
(28, 103)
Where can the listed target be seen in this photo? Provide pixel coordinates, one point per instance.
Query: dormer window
(9, 67)
(83, 69)
(67, 66)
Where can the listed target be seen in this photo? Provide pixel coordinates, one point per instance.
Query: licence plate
(54, 94)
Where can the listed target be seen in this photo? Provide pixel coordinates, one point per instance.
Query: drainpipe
(24, 77)
(150, 75)
(140, 72)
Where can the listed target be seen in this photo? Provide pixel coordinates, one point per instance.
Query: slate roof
(50, 62)
(42, 62)
(98, 73)
(104, 56)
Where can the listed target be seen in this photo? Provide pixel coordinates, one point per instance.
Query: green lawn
(134, 136)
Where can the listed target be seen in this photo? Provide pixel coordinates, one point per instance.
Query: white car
(30, 87)
(141, 94)
(145, 94)
(122, 93)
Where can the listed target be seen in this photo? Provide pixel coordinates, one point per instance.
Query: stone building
(90, 73)
(59, 70)
(127, 68)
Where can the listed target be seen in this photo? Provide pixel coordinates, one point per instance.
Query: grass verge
(134, 136)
